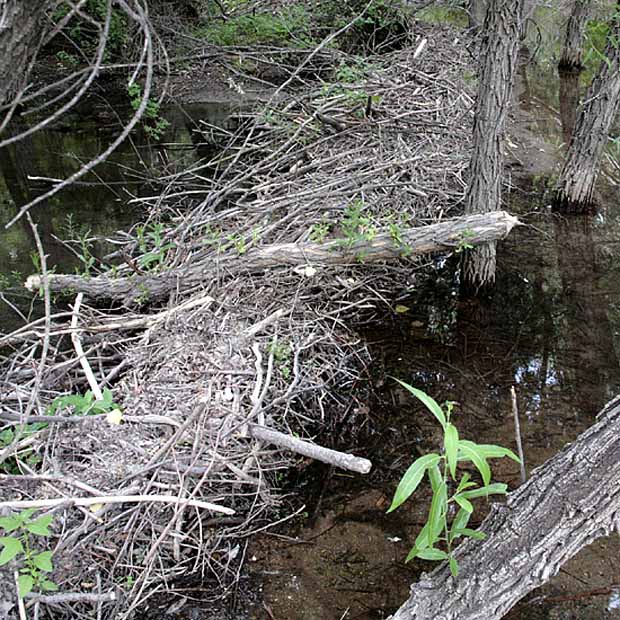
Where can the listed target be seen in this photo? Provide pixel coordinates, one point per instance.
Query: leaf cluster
(35, 565)
(443, 474)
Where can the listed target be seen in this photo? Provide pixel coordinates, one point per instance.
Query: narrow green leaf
(491, 489)
(40, 526)
(11, 547)
(454, 567)
(491, 451)
(412, 554)
(432, 554)
(421, 541)
(412, 478)
(464, 503)
(461, 520)
(25, 583)
(430, 403)
(8, 524)
(451, 447)
(43, 561)
(465, 483)
(435, 477)
(437, 511)
(477, 458)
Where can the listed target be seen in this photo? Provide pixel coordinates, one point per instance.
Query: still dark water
(103, 202)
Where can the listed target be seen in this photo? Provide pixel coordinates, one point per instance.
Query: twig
(515, 413)
(116, 499)
(77, 345)
(300, 446)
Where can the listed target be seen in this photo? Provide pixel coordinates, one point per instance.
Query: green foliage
(85, 35)
(83, 404)
(152, 245)
(18, 545)
(443, 474)
(278, 29)
(356, 226)
(464, 241)
(66, 59)
(81, 236)
(153, 123)
(281, 352)
(319, 231)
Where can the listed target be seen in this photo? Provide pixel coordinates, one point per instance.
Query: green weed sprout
(34, 565)
(443, 474)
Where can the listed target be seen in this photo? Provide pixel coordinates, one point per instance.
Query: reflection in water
(569, 101)
(99, 204)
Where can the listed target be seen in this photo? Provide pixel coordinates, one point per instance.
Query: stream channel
(551, 329)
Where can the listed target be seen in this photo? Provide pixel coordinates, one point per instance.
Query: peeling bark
(575, 187)
(569, 502)
(498, 54)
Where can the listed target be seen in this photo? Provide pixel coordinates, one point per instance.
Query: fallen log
(458, 232)
(568, 502)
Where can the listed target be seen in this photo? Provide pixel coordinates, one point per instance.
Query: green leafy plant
(356, 226)
(319, 231)
(464, 242)
(83, 404)
(153, 123)
(18, 545)
(152, 245)
(281, 352)
(443, 473)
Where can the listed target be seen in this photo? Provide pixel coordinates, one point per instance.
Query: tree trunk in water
(569, 502)
(498, 54)
(20, 30)
(569, 102)
(574, 191)
(570, 60)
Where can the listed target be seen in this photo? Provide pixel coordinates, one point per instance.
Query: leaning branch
(443, 236)
(570, 501)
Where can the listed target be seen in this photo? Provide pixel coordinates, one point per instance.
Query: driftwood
(570, 501)
(319, 453)
(473, 229)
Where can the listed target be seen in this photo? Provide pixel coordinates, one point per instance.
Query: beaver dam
(155, 402)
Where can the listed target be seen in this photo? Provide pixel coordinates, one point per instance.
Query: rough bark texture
(570, 60)
(20, 29)
(498, 61)
(575, 188)
(473, 229)
(570, 501)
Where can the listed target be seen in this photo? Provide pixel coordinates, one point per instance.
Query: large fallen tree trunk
(570, 501)
(450, 234)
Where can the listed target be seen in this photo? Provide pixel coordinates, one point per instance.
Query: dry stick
(71, 597)
(442, 236)
(116, 499)
(77, 345)
(515, 412)
(20, 600)
(300, 446)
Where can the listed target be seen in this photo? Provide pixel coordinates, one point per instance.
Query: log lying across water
(570, 501)
(442, 236)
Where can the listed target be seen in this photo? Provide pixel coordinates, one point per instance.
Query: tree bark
(571, 60)
(498, 54)
(448, 235)
(575, 187)
(20, 31)
(570, 501)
